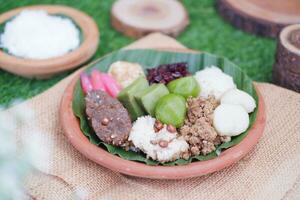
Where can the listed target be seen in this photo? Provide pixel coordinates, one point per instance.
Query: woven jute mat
(270, 171)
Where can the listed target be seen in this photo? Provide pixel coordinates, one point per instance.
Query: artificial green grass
(207, 32)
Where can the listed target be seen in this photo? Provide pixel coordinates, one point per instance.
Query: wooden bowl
(286, 69)
(33, 68)
(71, 128)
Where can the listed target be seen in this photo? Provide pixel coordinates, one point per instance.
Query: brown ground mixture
(198, 130)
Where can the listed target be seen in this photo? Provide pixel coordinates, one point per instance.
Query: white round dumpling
(213, 82)
(230, 120)
(239, 97)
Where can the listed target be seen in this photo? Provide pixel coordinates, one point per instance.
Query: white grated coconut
(143, 133)
(213, 82)
(37, 35)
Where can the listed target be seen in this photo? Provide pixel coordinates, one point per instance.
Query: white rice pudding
(147, 140)
(35, 34)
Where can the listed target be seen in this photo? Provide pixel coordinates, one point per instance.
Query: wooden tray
(46, 68)
(262, 17)
(71, 128)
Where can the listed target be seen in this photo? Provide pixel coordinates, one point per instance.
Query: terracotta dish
(228, 157)
(32, 68)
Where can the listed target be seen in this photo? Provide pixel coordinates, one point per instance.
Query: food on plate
(239, 97)
(126, 96)
(161, 145)
(108, 117)
(198, 128)
(125, 72)
(230, 119)
(171, 109)
(214, 82)
(86, 84)
(27, 34)
(96, 80)
(99, 81)
(149, 97)
(110, 84)
(186, 87)
(170, 115)
(167, 72)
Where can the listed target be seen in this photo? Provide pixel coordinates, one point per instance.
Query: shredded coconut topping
(163, 145)
(37, 35)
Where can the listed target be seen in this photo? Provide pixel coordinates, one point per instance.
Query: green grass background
(207, 31)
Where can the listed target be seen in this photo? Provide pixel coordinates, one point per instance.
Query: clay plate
(71, 128)
(47, 67)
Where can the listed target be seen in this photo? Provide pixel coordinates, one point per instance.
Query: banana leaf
(150, 59)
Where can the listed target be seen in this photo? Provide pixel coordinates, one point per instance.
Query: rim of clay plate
(47, 67)
(71, 129)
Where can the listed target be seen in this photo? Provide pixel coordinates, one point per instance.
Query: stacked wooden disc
(261, 17)
(136, 18)
(286, 70)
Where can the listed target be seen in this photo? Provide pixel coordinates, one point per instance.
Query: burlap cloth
(270, 171)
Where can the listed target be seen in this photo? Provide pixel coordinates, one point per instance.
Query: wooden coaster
(136, 18)
(261, 17)
(32, 68)
(286, 70)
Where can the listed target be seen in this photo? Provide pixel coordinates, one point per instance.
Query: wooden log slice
(286, 70)
(136, 18)
(261, 17)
